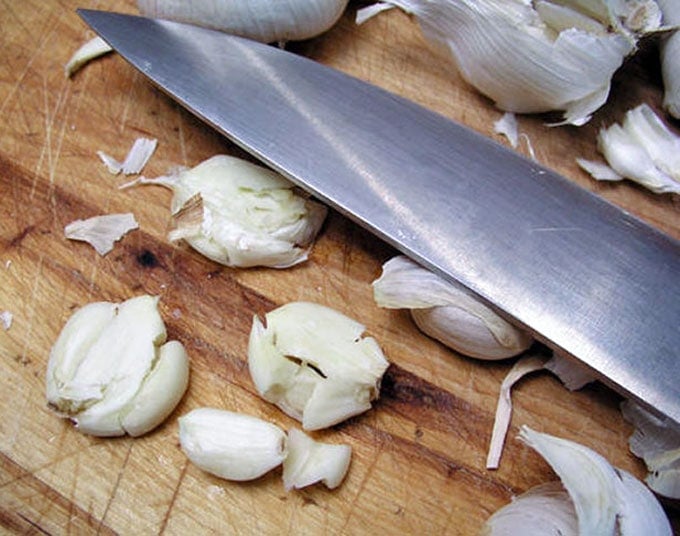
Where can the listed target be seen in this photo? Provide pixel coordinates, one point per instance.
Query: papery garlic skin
(233, 446)
(101, 232)
(90, 50)
(531, 57)
(261, 20)
(111, 371)
(312, 362)
(309, 462)
(449, 313)
(242, 214)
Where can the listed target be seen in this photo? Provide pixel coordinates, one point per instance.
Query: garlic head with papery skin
(240, 214)
(312, 362)
(261, 20)
(111, 370)
(446, 312)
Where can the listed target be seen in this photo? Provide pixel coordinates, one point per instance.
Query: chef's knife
(585, 277)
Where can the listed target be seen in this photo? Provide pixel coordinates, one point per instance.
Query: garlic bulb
(541, 56)
(449, 313)
(111, 371)
(261, 20)
(231, 445)
(642, 149)
(605, 500)
(670, 57)
(657, 441)
(309, 462)
(312, 362)
(240, 214)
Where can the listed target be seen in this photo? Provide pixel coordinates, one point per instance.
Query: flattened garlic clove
(231, 445)
(309, 462)
(240, 214)
(312, 362)
(448, 313)
(287, 20)
(111, 373)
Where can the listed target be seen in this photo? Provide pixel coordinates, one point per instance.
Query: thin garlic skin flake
(448, 313)
(241, 214)
(233, 446)
(111, 370)
(312, 362)
(101, 232)
(261, 20)
(309, 462)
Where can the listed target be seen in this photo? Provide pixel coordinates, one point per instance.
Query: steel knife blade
(585, 277)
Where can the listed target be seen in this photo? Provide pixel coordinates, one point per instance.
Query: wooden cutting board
(418, 462)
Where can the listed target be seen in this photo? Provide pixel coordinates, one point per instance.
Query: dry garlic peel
(90, 50)
(309, 462)
(231, 445)
(449, 313)
(312, 362)
(240, 214)
(531, 57)
(101, 232)
(261, 20)
(138, 155)
(111, 371)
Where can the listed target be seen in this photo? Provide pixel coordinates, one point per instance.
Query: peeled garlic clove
(109, 369)
(449, 313)
(309, 462)
(312, 362)
(287, 20)
(231, 445)
(240, 214)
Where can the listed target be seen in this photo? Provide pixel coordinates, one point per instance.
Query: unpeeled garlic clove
(309, 462)
(312, 362)
(111, 371)
(449, 313)
(233, 446)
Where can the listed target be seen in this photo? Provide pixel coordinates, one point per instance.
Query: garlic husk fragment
(90, 50)
(240, 214)
(642, 149)
(233, 446)
(111, 370)
(261, 20)
(312, 362)
(101, 232)
(657, 441)
(531, 57)
(309, 462)
(139, 154)
(446, 312)
(606, 500)
(670, 57)
(507, 126)
(6, 318)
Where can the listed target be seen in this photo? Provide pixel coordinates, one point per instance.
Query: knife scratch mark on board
(114, 490)
(171, 504)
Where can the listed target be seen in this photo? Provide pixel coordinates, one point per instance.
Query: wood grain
(418, 463)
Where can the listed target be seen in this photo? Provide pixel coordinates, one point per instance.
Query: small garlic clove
(448, 313)
(312, 362)
(231, 445)
(309, 462)
(106, 356)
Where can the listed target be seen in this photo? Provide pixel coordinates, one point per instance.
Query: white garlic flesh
(309, 462)
(111, 370)
(261, 20)
(240, 214)
(312, 362)
(446, 312)
(670, 57)
(230, 445)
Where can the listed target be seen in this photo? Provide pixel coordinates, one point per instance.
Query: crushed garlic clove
(448, 313)
(111, 371)
(240, 214)
(309, 462)
(231, 445)
(101, 232)
(312, 362)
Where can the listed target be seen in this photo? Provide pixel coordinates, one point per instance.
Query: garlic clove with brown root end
(312, 362)
(449, 313)
(111, 371)
(261, 20)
